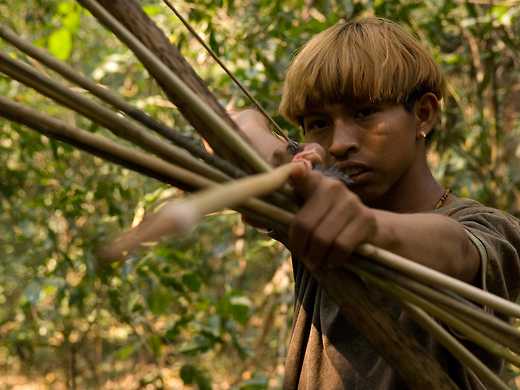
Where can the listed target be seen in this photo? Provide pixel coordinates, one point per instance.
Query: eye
(315, 123)
(365, 112)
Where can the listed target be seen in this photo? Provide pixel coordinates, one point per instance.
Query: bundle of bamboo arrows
(179, 161)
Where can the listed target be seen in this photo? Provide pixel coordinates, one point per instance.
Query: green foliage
(210, 309)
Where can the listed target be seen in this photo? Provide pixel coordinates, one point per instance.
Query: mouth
(356, 172)
(352, 172)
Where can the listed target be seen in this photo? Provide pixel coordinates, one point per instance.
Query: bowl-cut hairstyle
(371, 60)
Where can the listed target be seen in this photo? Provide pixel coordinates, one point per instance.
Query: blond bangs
(373, 60)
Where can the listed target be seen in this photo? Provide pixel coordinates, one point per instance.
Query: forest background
(213, 309)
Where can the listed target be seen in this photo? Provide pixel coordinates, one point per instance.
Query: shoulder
(469, 211)
(496, 234)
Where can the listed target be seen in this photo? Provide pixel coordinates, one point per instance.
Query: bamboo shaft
(116, 101)
(171, 81)
(178, 217)
(118, 125)
(237, 82)
(458, 350)
(438, 279)
(442, 314)
(131, 158)
(227, 196)
(490, 324)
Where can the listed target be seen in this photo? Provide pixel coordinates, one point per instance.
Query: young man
(369, 94)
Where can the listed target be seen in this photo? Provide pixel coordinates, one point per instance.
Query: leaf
(188, 373)
(154, 342)
(125, 352)
(158, 301)
(240, 309)
(191, 375)
(192, 281)
(60, 43)
(65, 7)
(72, 21)
(172, 282)
(152, 9)
(213, 42)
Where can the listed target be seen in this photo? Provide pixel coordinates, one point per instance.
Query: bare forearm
(256, 130)
(433, 240)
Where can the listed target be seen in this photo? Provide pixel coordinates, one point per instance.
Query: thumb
(304, 180)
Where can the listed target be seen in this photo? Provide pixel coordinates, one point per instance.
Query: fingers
(307, 221)
(304, 180)
(332, 223)
(348, 240)
(312, 152)
(324, 239)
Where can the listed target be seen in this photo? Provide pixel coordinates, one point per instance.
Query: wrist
(385, 235)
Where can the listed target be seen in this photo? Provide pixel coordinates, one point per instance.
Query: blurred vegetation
(211, 310)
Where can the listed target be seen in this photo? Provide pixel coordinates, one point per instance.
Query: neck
(416, 191)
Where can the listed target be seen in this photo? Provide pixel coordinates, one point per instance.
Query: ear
(426, 111)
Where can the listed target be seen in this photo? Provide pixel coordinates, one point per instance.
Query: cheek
(393, 151)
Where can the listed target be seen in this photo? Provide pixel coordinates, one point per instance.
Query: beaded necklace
(442, 199)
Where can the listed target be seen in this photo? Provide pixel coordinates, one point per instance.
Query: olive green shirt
(327, 352)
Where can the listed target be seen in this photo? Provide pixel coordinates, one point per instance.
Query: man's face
(374, 144)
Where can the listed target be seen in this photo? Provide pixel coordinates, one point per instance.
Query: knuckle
(355, 205)
(331, 187)
(302, 223)
(321, 238)
(346, 249)
(353, 200)
(344, 244)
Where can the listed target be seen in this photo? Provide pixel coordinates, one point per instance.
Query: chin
(369, 195)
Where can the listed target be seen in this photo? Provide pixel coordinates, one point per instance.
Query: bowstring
(292, 145)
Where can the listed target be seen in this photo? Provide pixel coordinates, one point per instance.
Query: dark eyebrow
(310, 112)
(366, 105)
(314, 111)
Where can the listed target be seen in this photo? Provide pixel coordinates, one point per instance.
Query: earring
(423, 134)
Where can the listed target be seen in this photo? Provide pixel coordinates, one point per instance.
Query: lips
(355, 170)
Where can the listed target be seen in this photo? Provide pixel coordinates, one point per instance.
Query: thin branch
(171, 81)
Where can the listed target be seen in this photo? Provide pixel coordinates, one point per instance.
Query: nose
(345, 140)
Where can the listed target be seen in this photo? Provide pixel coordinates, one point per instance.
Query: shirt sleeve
(496, 235)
